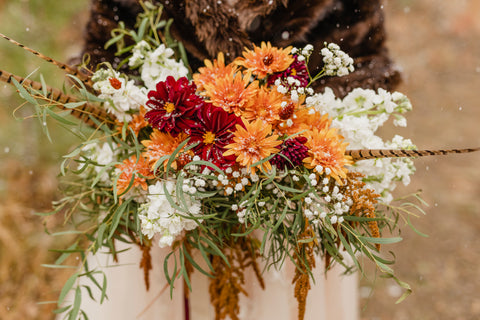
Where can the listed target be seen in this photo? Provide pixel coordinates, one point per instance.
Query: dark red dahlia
(292, 149)
(173, 105)
(297, 70)
(214, 130)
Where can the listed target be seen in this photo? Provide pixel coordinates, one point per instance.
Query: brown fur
(206, 27)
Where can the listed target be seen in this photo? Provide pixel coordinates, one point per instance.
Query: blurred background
(435, 43)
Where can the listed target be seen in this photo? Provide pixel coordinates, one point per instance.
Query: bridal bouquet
(231, 166)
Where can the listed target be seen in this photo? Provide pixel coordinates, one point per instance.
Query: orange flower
(266, 59)
(296, 117)
(266, 106)
(161, 144)
(212, 71)
(252, 144)
(232, 92)
(138, 121)
(326, 153)
(310, 119)
(132, 169)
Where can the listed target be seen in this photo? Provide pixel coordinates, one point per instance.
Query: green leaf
(349, 249)
(117, 216)
(409, 222)
(380, 240)
(100, 235)
(104, 289)
(215, 249)
(113, 40)
(190, 259)
(89, 291)
(76, 304)
(55, 266)
(24, 93)
(61, 310)
(184, 270)
(205, 257)
(73, 105)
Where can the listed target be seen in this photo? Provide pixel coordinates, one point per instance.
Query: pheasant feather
(69, 69)
(82, 112)
(365, 154)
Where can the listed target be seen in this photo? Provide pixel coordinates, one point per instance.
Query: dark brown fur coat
(207, 27)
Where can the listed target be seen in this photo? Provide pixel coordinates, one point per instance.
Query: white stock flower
(159, 217)
(121, 97)
(158, 65)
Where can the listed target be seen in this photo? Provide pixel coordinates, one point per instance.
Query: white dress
(331, 297)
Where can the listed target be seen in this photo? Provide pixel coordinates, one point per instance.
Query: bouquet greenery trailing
(232, 166)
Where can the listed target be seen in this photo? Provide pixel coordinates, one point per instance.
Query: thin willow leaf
(205, 257)
(76, 304)
(24, 93)
(349, 249)
(67, 287)
(73, 105)
(103, 296)
(90, 293)
(214, 247)
(380, 240)
(117, 216)
(61, 310)
(192, 261)
(415, 229)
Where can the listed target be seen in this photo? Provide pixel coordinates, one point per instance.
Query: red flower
(173, 104)
(292, 149)
(297, 70)
(213, 132)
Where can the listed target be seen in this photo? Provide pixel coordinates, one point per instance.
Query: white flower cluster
(103, 155)
(358, 116)
(156, 65)
(303, 54)
(333, 204)
(291, 84)
(336, 61)
(122, 96)
(159, 217)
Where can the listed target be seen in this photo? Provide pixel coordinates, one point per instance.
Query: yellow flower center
(169, 107)
(208, 137)
(294, 72)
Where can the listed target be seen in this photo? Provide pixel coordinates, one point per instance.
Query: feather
(82, 112)
(365, 154)
(69, 69)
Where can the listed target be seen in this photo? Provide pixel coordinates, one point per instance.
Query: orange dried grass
(228, 283)
(364, 201)
(305, 261)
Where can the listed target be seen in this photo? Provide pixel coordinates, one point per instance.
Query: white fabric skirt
(332, 297)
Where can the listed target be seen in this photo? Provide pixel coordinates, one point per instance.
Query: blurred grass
(28, 161)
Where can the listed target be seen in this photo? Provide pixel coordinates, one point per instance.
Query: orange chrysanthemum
(253, 144)
(138, 121)
(233, 92)
(212, 71)
(266, 59)
(311, 119)
(301, 118)
(326, 153)
(161, 144)
(132, 169)
(266, 106)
